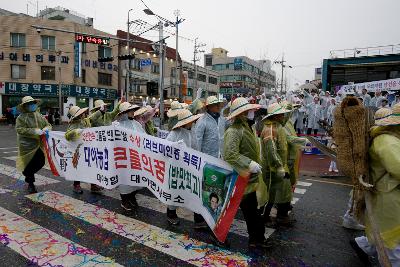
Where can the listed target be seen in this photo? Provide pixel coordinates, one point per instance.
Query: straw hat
(140, 111)
(186, 117)
(392, 119)
(275, 109)
(149, 108)
(381, 114)
(76, 111)
(212, 100)
(176, 107)
(125, 107)
(98, 104)
(240, 105)
(184, 105)
(28, 99)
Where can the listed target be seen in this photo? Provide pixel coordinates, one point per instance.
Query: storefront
(11, 94)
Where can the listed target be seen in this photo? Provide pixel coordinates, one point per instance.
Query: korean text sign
(175, 174)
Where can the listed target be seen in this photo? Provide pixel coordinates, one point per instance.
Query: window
(48, 42)
(17, 39)
(135, 64)
(104, 52)
(209, 60)
(83, 76)
(173, 72)
(18, 71)
(212, 80)
(155, 68)
(48, 73)
(105, 78)
(83, 46)
(201, 77)
(190, 74)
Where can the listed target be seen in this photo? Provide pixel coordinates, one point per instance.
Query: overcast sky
(304, 30)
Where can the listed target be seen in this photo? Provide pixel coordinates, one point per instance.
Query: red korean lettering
(147, 162)
(160, 169)
(134, 159)
(119, 157)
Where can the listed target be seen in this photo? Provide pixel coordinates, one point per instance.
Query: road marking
(300, 191)
(3, 191)
(303, 183)
(5, 148)
(43, 247)
(329, 182)
(13, 173)
(294, 200)
(238, 226)
(176, 245)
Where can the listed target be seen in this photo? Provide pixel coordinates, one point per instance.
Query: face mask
(250, 115)
(32, 107)
(130, 118)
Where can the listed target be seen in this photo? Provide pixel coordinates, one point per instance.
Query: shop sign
(51, 90)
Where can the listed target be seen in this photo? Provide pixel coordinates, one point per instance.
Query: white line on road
(294, 200)
(176, 245)
(300, 191)
(3, 190)
(5, 148)
(303, 183)
(9, 152)
(13, 173)
(43, 247)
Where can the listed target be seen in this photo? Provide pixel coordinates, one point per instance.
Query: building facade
(38, 62)
(240, 74)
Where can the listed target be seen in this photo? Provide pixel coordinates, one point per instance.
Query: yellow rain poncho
(73, 133)
(27, 141)
(105, 119)
(384, 161)
(274, 156)
(240, 148)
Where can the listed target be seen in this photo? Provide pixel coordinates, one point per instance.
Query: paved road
(57, 228)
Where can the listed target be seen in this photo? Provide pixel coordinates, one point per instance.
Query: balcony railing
(366, 51)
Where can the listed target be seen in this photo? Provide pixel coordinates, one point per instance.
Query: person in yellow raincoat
(79, 121)
(275, 169)
(107, 117)
(384, 170)
(30, 125)
(241, 151)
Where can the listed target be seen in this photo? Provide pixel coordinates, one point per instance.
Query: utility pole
(197, 46)
(178, 86)
(282, 63)
(128, 63)
(60, 100)
(161, 65)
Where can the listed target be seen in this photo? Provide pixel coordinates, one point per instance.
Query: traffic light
(126, 57)
(152, 88)
(106, 59)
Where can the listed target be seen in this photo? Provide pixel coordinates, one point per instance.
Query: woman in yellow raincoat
(384, 160)
(30, 125)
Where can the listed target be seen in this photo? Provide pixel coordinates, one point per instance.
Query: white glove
(199, 92)
(102, 107)
(115, 123)
(79, 131)
(38, 132)
(280, 172)
(254, 167)
(181, 143)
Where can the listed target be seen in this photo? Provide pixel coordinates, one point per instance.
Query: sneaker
(260, 245)
(336, 170)
(200, 226)
(132, 199)
(364, 258)
(351, 223)
(127, 206)
(95, 188)
(77, 189)
(172, 217)
(218, 243)
(32, 189)
(330, 169)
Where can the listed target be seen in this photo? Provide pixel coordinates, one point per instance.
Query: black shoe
(260, 244)
(127, 206)
(218, 243)
(132, 199)
(32, 189)
(172, 217)
(285, 221)
(364, 258)
(200, 225)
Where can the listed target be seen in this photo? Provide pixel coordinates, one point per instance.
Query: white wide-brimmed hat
(392, 119)
(212, 100)
(275, 109)
(240, 105)
(176, 107)
(140, 111)
(381, 114)
(125, 107)
(28, 99)
(184, 105)
(186, 117)
(98, 104)
(76, 111)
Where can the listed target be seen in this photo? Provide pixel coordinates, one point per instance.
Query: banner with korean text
(383, 85)
(175, 174)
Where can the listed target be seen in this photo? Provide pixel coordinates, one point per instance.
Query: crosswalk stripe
(3, 190)
(176, 245)
(9, 152)
(238, 226)
(294, 200)
(300, 190)
(5, 148)
(43, 247)
(303, 183)
(13, 173)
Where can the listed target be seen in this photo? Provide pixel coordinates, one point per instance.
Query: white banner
(384, 85)
(175, 174)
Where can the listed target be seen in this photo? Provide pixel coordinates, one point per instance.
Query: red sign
(92, 39)
(230, 84)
